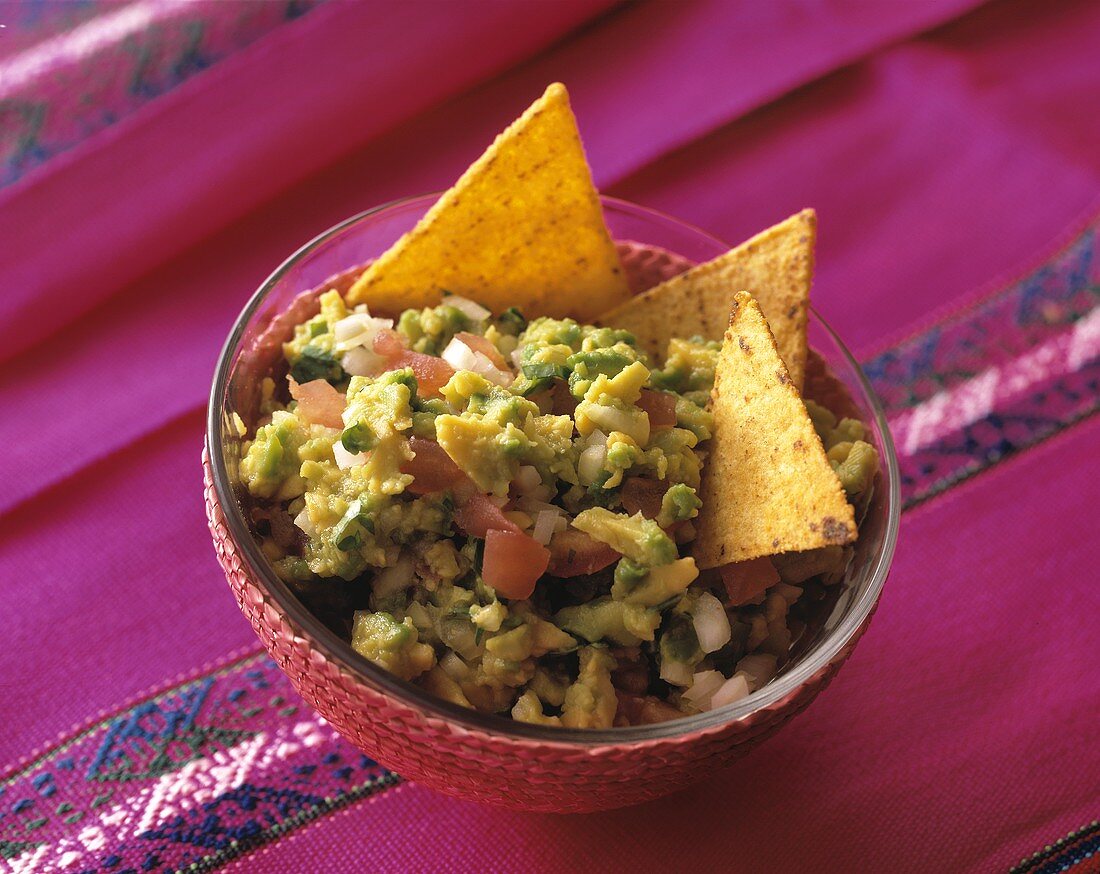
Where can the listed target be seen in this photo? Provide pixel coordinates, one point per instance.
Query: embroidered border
(216, 766)
(998, 378)
(84, 69)
(187, 779)
(1073, 849)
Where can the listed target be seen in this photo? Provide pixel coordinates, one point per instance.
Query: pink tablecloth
(158, 159)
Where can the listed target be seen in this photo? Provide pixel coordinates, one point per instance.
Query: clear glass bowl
(417, 734)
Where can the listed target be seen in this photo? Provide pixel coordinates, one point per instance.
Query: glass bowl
(482, 756)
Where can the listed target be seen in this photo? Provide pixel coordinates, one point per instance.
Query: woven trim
(1016, 370)
(1074, 849)
(200, 773)
(103, 62)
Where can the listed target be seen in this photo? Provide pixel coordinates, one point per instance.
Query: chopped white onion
(517, 358)
(527, 479)
(493, 373)
(758, 669)
(703, 685)
(590, 464)
(596, 438)
(542, 493)
(503, 378)
(358, 329)
(734, 689)
(393, 579)
(360, 361)
(533, 507)
(676, 673)
(499, 500)
(302, 520)
(345, 459)
(350, 326)
(454, 666)
(462, 357)
(459, 355)
(712, 626)
(473, 311)
(612, 419)
(545, 525)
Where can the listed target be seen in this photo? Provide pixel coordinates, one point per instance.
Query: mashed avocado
(500, 509)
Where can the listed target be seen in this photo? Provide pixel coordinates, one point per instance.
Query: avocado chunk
(586, 366)
(679, 504)
(679, 650)
(528, 708)
(658, 585)
(430, 330)
(390, 644)
(856, 465)
(638, 538)
(477, 446)
(607, 619)
(270, 465)
(591, 701)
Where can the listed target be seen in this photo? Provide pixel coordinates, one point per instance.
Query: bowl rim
(459, 718)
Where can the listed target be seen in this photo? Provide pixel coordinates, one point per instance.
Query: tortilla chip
(776, 265)
(522, 227)
(767, 486)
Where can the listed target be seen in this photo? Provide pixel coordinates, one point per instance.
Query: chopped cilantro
(513, 320)
(315, 363)
(358, 438)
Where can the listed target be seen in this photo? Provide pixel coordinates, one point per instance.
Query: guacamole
(500, 508)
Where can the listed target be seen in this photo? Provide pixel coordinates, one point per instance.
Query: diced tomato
(641, 494)
(661, 407)
(513, 562)
(485, 347)
(432, 468)
(644, 710)
(319, 402)
(564, 404)
(477, 515)
(545, 401)
(389, 343)
(573, 553)
(745, 580)
(431, 372)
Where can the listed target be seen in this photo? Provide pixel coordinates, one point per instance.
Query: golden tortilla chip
(776, 265)
(767, 486)
(522, 227)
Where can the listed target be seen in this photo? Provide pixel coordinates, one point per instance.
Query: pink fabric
(942, 163)
(213, 148)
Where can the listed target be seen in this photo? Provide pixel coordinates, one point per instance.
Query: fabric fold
(138, 192)
(200, 157)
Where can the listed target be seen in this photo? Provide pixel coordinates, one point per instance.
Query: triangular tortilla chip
(776, 265)
(767, 485)
(522, 227)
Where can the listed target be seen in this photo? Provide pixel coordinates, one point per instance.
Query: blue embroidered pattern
(191, 777)
(125, 59)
